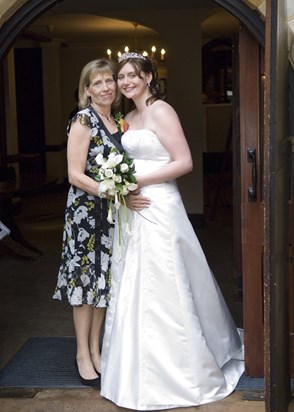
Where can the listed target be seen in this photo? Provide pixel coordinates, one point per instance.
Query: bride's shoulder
(162, 106)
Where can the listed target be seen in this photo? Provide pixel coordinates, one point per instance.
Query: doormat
(48, 362)
(43, 362)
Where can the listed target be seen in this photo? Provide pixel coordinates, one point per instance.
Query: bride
(169, 338)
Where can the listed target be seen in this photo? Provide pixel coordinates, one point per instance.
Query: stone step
(89, 400)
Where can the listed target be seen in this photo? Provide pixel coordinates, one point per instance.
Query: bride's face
(130, 84)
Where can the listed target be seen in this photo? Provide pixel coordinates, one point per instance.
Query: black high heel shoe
(98, 373)
(89, 382)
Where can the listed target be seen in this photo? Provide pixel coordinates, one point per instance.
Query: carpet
(48, 362)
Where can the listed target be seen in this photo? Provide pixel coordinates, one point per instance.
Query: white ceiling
(73, 21)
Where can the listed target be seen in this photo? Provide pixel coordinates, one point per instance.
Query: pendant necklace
(105, 115)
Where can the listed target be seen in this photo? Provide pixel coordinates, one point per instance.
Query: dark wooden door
(251, 79)
(264, 196)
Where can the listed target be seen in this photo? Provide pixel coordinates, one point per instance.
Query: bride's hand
(137, 202)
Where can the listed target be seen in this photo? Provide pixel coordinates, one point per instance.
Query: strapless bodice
(146, 149)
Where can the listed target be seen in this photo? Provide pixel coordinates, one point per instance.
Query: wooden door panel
(251, 211)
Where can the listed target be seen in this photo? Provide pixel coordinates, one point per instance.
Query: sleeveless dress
(169, 338)
(84, 273)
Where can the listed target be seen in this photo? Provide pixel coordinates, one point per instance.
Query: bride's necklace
(105, 115)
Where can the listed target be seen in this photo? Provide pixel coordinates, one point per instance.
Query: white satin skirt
(169, 339)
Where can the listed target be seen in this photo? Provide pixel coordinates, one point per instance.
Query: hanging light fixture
(112, 54)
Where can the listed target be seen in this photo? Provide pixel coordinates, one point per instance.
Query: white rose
(124, 167)
(106, 185)
(131, 186)
(108, 173)
(117, 178)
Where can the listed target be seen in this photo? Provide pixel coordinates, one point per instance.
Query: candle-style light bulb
(162, 54)
(108, 51)
(153, 49)
(126, 49)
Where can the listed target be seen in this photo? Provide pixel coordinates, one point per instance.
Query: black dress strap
(113, 138)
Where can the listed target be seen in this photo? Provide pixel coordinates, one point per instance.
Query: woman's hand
(137, 202)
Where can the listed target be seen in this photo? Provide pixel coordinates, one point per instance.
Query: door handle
(251, 157)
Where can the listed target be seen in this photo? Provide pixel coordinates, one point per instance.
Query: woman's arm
(77, 153)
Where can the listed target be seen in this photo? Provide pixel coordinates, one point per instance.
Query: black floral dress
(84, 274)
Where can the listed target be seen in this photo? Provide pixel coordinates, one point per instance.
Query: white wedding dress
(169, 338)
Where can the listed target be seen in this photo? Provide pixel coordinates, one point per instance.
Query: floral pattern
(84, 275)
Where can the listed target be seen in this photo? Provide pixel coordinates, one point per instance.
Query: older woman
(84, 274)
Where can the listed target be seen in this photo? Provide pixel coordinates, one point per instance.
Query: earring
(148, 84)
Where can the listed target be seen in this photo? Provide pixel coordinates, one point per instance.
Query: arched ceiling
(8, 7)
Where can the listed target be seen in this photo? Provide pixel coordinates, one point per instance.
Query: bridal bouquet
(116, 179)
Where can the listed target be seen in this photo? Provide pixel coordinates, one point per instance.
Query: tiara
(131, 55)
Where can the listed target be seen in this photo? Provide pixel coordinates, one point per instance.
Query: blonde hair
(98, 66)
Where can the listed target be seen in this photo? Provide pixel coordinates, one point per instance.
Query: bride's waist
(160, 188)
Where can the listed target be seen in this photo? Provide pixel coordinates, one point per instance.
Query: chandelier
(154, 52)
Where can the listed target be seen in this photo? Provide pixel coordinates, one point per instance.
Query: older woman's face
(102, 89)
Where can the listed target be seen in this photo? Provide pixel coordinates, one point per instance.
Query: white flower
(116, 201)
(80, 214)
(109, 216)
(113, 160)
(131, 186)
(83, 234)
(106, 185)
(107, 241)
(76, 298)
(101, 282)
(108, 173)
(102, 302)
(73, 263)
(117, 178)
(104, 262)
(92, 223)
(124, 167)
(85, 280)
(57, 295)
(99, 159)
(91, 256)
(90, 296)
(94, 131)
(62, 280)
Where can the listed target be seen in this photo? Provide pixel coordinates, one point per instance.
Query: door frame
(276, 199)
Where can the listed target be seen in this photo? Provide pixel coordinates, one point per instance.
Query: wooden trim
(276, 184)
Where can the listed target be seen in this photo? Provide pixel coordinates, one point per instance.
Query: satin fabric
(169, 338)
